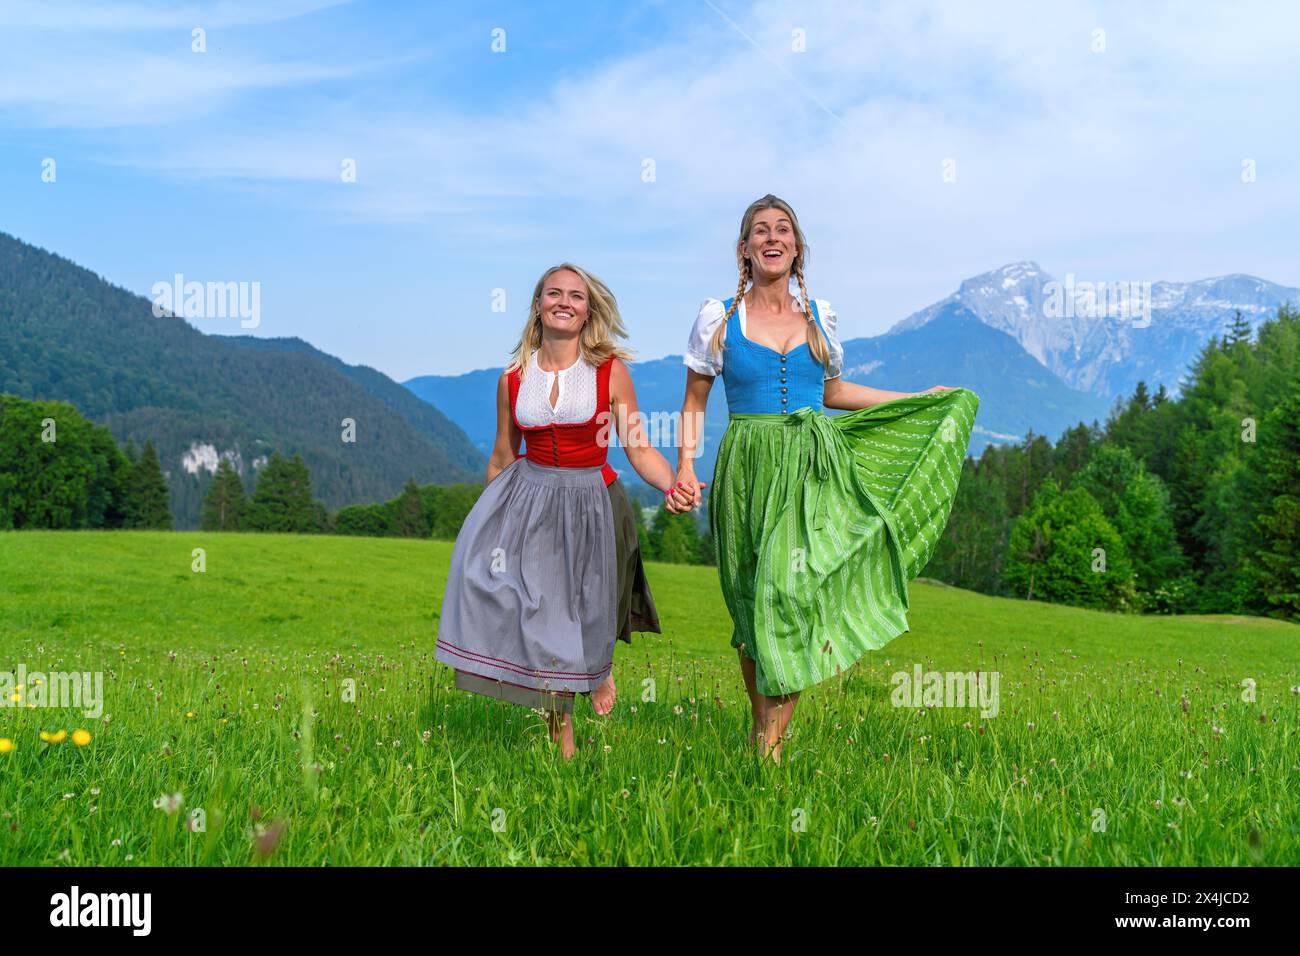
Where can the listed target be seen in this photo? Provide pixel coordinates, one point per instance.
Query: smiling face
(563, 302)
(772, 244)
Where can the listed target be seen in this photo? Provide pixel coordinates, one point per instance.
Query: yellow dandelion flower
(58, 737)
(6, 745)
(45, 735)
(16, 698)
(81, 737)
(189, 713)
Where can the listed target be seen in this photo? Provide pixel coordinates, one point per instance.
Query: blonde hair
(817, 343)
(595, 341)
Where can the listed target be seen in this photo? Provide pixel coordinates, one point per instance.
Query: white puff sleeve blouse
(699, 358)
(835, 364)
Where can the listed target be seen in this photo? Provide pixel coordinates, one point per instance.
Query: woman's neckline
(740, 318)
(538, 365)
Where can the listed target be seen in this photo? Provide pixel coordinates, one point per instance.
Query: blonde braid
(817, 343)
(719, 334)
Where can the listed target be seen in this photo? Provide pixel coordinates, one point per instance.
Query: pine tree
(226, 504)
(1072, 452)
(1239, 331)
(674, 538)
(708, 551)
(107, 499)
(147, 504)
(1026, 471)
(283, 500)
(1278, 572)
(643, 538)
(408, 512)
(971, 550)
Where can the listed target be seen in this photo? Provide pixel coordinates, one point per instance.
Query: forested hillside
(1194, 502)
(67, 334)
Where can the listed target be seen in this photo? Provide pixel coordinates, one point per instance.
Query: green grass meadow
(1120, 740)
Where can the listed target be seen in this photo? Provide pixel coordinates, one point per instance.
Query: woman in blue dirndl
(818, 521)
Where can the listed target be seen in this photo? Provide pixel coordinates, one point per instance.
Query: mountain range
(1043, 354)
(955, 348)
(1104, 337)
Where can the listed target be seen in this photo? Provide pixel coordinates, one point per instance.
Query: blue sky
(1116, 156)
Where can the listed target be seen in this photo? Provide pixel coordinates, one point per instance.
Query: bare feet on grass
(561, 726)
(778, 711)
(772, 748)
(602, 698)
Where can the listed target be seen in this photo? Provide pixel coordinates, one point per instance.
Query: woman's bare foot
(562, 733)
(778, 711)
(772, 747)
(757, 702)
(566, 739)
(603, 697)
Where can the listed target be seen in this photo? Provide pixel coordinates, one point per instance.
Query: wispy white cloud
(1125, 160)
(98, 66)
(113, 89)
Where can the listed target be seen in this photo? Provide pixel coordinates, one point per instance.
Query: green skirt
(819, 521)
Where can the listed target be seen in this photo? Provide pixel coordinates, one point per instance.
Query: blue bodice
(761, 380)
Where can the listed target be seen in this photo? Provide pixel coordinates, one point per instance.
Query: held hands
(684, 495)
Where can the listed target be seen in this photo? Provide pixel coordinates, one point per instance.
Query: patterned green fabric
(820, 521)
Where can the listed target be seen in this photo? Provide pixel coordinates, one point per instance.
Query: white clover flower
(168, 803)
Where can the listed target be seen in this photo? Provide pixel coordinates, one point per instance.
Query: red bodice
(571, 446)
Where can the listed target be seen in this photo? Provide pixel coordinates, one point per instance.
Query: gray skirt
(533, 603)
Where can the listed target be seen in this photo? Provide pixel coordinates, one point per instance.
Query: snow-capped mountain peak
(1101, 334)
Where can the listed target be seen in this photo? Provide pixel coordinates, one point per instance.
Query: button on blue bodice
(762, 380)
